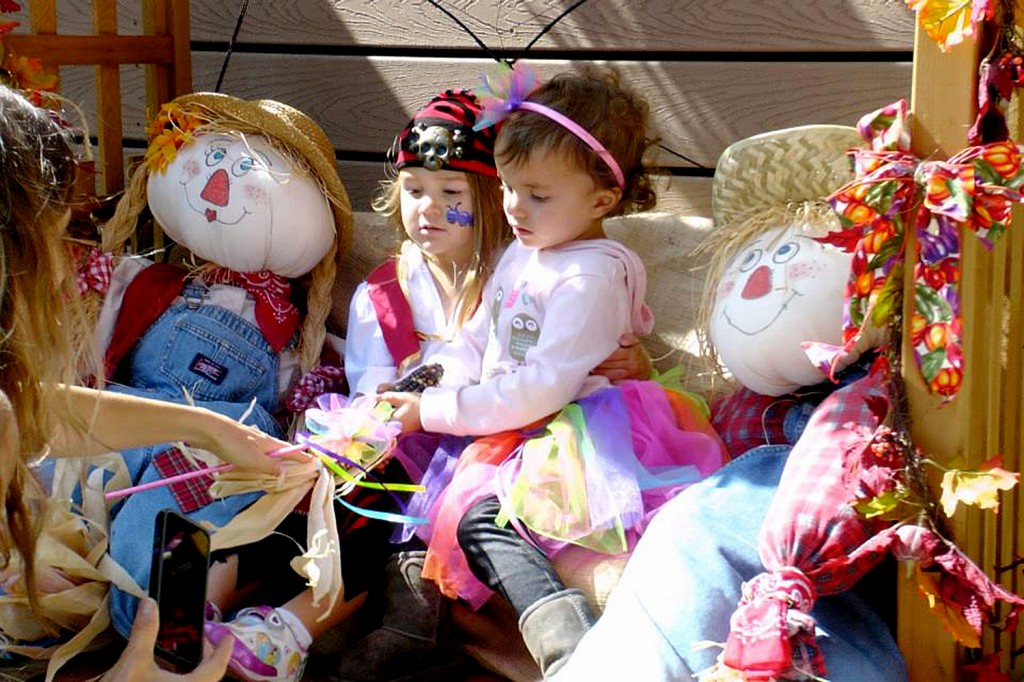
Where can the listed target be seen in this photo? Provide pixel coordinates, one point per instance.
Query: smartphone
(181, 561)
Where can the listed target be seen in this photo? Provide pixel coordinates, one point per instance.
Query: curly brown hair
(41, 316)
(596, 99)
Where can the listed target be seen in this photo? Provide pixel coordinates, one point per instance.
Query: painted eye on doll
(785, 252)
(750, 260)
(215, 155)
(242, 166)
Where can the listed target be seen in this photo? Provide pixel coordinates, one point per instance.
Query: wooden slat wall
(715, 72)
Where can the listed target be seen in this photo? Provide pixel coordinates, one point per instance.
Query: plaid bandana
(441, 136)
(276, 315)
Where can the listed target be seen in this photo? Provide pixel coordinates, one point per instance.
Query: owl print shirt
(548, 318)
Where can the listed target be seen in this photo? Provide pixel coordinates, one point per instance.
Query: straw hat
(776, 168)
(291, 128)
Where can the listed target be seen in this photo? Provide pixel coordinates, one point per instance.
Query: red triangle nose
(216, 190)
(759, 283)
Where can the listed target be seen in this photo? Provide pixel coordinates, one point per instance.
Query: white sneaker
(266, 646)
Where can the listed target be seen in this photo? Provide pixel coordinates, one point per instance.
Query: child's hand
(629, 361)
(407, 409)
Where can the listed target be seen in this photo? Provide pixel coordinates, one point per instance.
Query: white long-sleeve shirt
(368, 363)
(548, 318)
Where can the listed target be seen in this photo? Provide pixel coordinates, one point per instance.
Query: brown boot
(414, 641)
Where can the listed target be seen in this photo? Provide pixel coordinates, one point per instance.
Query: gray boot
(553, 626)
(414, 641)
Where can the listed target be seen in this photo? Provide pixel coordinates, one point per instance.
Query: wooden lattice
(163, 48)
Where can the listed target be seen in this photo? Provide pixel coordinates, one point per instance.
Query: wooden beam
(68, 50)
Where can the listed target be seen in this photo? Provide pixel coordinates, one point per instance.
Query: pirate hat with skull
(441, 137)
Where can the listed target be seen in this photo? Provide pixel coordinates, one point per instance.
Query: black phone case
(177, 581)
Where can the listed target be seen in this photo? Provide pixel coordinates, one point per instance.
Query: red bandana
(276, 315)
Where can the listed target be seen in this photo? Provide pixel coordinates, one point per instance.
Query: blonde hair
(596, 100)
(490, 232)
(41, 317)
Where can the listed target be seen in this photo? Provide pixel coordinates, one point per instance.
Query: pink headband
(507, 92)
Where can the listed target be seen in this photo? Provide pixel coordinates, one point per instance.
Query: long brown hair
(40, 311)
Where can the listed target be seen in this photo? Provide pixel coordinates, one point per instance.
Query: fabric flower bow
(503, 90)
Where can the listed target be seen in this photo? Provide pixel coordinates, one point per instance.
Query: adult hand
(629, 361)
(244, 446)
(137, 661)
(407, 409)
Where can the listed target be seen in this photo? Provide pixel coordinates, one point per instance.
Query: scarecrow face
(238, 203)
(783, 288)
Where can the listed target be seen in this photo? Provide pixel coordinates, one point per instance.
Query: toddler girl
(560, 298)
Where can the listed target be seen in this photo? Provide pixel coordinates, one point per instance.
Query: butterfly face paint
(456, 217)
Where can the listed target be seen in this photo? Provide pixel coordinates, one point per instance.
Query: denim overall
(221, 361)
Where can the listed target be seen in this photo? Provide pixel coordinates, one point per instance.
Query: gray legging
(501, 559)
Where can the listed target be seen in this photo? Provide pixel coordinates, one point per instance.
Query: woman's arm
(115, 421)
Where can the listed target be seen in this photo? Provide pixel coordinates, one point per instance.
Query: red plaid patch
(191, 494)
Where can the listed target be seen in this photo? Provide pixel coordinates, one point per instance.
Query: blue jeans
(683, 582)
(501, 559)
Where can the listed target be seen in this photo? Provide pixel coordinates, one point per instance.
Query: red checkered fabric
(745, 419)
(95, 271)
(812, 536)
(191, 494)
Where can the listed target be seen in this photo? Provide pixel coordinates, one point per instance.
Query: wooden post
(942, 102)
(108, 102)
(43, 20)
(985, 419)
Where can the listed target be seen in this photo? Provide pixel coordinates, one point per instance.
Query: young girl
(41, 352)
(446, 200)
(569, 155)
(444, 197)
